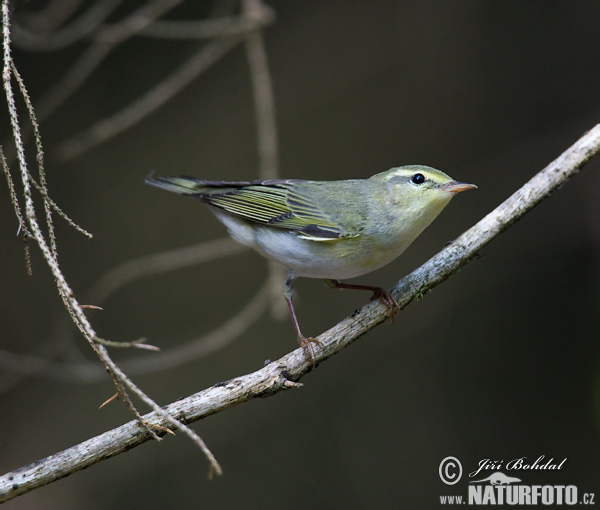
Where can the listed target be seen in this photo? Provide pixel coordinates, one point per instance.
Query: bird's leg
(303, 341)
(378, 293)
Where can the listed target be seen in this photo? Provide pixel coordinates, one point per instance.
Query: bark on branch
(287, 371)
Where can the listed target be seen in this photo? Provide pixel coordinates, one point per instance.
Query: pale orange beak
(457, 187)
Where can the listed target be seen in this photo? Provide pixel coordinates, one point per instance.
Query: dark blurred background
(499, 362)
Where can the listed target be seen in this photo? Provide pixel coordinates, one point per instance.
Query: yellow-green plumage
(326, 229)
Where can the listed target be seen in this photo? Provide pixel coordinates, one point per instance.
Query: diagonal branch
(285, 372)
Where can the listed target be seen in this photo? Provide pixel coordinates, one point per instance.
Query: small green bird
(327, 229)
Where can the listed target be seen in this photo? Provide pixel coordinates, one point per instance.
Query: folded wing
(276, 203)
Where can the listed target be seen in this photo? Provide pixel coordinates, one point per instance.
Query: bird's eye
(417, 179)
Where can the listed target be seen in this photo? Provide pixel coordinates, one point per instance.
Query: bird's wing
(276, 203)
(279, 204)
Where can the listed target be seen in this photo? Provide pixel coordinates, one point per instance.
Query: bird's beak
(457, 187)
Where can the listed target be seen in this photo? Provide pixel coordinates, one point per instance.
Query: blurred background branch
(103, 42)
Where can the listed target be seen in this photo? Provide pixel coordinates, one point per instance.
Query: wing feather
(279, 207)
(277, 203)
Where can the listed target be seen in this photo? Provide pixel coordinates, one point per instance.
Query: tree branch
(285, 372)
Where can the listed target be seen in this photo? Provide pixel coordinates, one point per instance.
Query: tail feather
(179, 184)
(193, 187)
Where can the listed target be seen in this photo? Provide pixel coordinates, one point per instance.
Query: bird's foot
(387, 299)
(307, 344)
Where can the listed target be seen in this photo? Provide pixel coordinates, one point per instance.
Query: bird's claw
(307, 344)
(388, 300)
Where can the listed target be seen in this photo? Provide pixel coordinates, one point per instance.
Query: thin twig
(172, 421)
(285, 372)
(14, 198)
(42, 187)
(140, 343)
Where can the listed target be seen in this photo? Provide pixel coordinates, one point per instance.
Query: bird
(333, 230)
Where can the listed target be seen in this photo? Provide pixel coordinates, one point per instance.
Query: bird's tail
(196, 187)
(178, 184)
